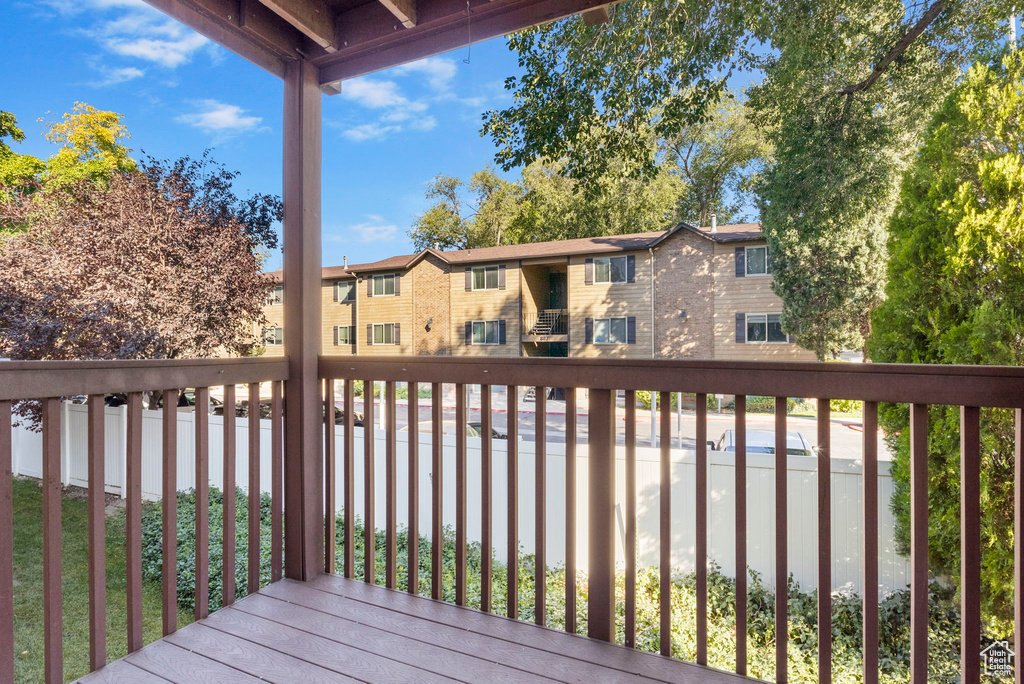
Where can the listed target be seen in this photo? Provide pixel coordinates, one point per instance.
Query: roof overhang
(349, 38)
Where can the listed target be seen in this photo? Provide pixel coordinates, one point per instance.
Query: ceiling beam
(404, 11)
(370, 42)
(313, 18)
(597, 16)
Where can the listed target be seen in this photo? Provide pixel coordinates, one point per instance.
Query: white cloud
(423, 123)
(370, 131)
(222, 120)
(375, 229)
(113, 76)
(438, 71)
(373, 93)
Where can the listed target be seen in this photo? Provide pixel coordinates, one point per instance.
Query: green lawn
(28, 587)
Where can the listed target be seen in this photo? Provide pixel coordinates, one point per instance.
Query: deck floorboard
(336, 630)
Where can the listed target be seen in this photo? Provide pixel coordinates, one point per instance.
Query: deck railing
(546, 322)
(917, 385)
(46, 383)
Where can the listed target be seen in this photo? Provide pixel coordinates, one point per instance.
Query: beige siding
(600, 300)
(275, 319)
(749, 294)
(385, 309)
(486, 305)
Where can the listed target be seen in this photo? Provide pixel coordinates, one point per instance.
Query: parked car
(339, 417)
(763, 442)
(479, 427)
(447, 428)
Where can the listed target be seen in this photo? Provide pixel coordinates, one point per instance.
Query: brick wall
(684, 279)
(431, 299)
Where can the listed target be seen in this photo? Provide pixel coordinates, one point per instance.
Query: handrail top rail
(955, 385)
(40, 379)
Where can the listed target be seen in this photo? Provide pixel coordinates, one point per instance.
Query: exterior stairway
(548, 323)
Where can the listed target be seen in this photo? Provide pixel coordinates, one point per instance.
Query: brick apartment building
(684, 293)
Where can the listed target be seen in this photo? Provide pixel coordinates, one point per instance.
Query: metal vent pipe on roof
(345, 261)
(714, 223)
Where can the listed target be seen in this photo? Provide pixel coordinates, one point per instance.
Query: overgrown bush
(767, 405)
(846, 405)
(894, 611)
(152, 544)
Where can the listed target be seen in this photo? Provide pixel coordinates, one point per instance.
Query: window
(758, 260)
(384, 333)
(344, 334)
(273, 337)
(384, 285)
(485, 332)
(276, 296)
(485, 278)
(345, 291)
(610, 331)
(765, 328)
(610, 270)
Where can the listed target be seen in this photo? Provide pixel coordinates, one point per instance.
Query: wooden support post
(303, 466)
(601, 522)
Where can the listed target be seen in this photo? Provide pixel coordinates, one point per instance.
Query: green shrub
(846, 405)
(894, 611)
(152, 544)
(767, 405)
(643, 400)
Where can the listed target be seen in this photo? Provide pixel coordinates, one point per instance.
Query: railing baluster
(512, 404)
(202, 570)
(436, 481)
(629, 635)
(741, 534)
(413, 543)
(276, 481)
(486, 457)
(460, 495)
(1018, 536)
(133, 523)
(781, 545)
(601, 521)
(253, 545)
(7, 545)
(701, 520)
(665, 504)
(228, 540)
(53, 623)
(540, 504)
(824, 542)
(369, 488)
(97, 534)
(349, 466)
(330, 465)
(970, 544)
(391, 487)
(918, 544)
(570, 510)
(870, 542)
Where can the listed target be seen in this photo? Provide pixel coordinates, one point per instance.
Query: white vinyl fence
(847, 514)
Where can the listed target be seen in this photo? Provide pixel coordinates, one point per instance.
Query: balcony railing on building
(546, 325)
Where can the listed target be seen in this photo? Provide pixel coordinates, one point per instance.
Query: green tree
(720, 160)
(844, 85)
(457, 222)
(15, 168)
(956, 295)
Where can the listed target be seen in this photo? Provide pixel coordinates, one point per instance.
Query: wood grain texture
(53, 623)
(97, 533)
(7, 546)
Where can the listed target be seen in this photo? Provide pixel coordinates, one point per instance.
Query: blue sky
(385, 136)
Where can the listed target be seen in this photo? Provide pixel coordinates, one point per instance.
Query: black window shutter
(501, 282)
(588, 272)
(589, 325)
(741, 262)
(335, 336)
(469, 279)
(398, 284)
(369, 286)
(469, 332)
(741, 328)
(631, 268)
(369, 333)
(398, 331)
(790, 339)
(631, 328)
(336, 297)
(501, 329)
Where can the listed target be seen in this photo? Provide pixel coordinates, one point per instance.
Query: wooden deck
(337, 630)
